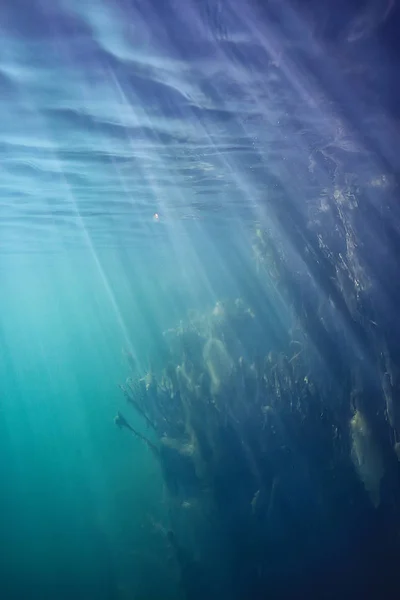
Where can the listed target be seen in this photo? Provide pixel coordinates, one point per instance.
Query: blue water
(142, 145)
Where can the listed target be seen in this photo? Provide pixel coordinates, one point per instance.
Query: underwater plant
(238, 434)
(279, 451)
(366, 456)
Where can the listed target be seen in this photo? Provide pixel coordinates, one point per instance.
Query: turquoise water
(83, 506)
(76, 497)
(201, 197)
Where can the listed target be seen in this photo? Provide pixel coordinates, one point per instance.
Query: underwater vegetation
(281, 464)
